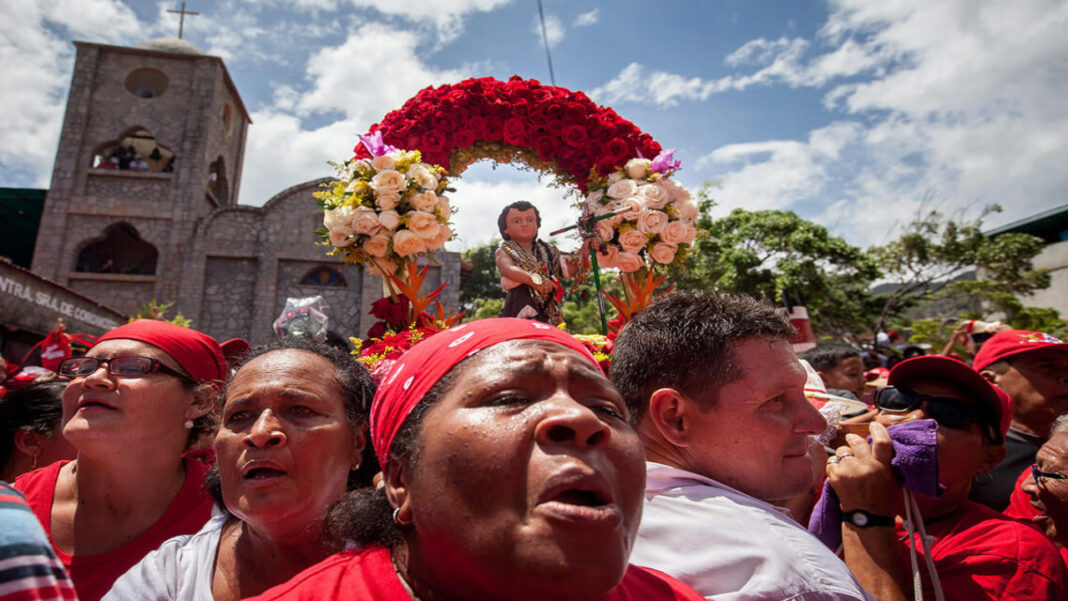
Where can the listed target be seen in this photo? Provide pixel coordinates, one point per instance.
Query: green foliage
(153, 310)
(481, 308)
(484, 282)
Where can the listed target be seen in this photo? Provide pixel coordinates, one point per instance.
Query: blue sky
(849, 112)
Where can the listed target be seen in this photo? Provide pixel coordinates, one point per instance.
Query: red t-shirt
(93, 575)
(1020, 507)
(368, 574)
(982, 554)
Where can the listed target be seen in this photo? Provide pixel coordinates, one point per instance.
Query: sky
(853, 113)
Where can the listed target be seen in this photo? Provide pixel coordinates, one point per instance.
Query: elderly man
(1046, 485)
(720, 397)
(1032, 368)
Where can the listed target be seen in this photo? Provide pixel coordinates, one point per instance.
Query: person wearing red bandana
(511, 470)
(138, 400)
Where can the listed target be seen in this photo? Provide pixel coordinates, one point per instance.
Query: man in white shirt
(719, 395)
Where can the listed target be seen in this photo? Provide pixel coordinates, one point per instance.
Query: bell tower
(152, 142)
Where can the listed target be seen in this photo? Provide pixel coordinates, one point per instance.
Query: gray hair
(1060, 425)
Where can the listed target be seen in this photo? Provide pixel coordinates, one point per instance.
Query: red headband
(199, 354)
(416, 372)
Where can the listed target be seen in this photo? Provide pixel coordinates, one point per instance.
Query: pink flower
(675, 232)
(651, 222)
(663, 253)
(632, 241)
(628, 262)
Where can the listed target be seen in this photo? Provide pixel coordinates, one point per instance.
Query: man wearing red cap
(1032, 368)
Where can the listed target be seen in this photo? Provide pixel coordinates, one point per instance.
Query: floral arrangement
(550, 128)
(654, 220)
(386, 208)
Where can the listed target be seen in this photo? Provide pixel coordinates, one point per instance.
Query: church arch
(135, 149)
(324, 276)
(146, 82)
(119, 250)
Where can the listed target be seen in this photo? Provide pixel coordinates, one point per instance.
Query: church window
(217, 186)
(119, 250)
(228, 117)
(146, 82)
(324, 276)
(136, 149)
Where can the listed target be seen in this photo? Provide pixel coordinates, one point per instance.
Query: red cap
(1013, 342)
(937, 367)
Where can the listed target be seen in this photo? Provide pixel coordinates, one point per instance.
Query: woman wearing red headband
(511, 471)
(141, 397)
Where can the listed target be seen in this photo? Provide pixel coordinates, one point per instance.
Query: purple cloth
(915, 462)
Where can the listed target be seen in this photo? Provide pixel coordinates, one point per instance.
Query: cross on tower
(181, 21)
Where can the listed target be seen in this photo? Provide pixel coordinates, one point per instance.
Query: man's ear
(669, 413)
(989, 376)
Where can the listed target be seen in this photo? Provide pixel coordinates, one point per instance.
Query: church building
(142, 203)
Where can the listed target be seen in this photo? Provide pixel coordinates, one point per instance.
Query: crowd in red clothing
(497, 460)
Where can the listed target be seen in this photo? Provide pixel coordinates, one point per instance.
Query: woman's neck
(253, 559)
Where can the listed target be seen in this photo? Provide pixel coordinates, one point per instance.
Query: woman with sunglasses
(976, 552)
(138, 400)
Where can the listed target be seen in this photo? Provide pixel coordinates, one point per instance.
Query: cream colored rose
(687, 210)
(382, 163)
(389, 219)
(652, 221)
(622, 189)
(422, 224)
(378, 266)
(444, 209)
(614, 177)
(674, 232)
(633, 206)
(389, 180)
(663, 253)
(655, 195)
(387, 199)
(637, 168)
(339, 217)
(365, 221)
(339, 236)
(423, 176)
(633, 241)
(691, 233)
(604, 231)
(628, 262)
(377, 245)
(593, 200)
(678, 191)
(406, 243)
(424, 201)
(443, 236)
(608, 256)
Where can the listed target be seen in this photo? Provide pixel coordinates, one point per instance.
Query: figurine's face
(521, 226)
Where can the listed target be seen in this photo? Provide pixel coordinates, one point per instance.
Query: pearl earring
(188, 424)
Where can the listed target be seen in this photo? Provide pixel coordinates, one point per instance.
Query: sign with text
(32, 303)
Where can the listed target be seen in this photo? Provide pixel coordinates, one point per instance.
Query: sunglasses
(948, 412)
(123, 367)
(1040, 475)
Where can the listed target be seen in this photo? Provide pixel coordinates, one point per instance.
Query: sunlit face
(1037, 382)
(961, 452)
(521, 226)
(530, 479)
(847, 374)
(285, 447)
(756, 436)
(1051, 497)
(111, 409)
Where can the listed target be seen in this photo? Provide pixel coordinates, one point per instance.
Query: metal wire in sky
(545, 38)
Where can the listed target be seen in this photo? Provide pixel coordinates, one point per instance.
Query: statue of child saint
(531, 269)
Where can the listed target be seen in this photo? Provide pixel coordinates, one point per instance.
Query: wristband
(863, 519)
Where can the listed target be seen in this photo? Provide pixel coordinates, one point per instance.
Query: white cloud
(554, 30)
(479, 202)
(445, 15)
(588, 18)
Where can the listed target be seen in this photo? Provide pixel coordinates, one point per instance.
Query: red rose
(515, 132)
(463, 138)
(546, 147)
(554, 128)
(617, 150)
(649, 147)
(493, 130)
(594, 150)
(476, 124)
(574, 112)
(390, 311)
(521, 107)
(606, 165)
(445, 121)
(575, 136)
(432, 142)
(554, 111)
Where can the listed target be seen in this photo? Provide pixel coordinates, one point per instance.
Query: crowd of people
(126, 158)
(497, 460)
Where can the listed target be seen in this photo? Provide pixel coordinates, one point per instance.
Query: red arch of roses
(564, 128)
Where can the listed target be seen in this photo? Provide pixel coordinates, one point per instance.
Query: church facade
(142, 202)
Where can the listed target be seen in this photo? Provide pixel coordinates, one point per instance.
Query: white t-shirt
(179, 570)
(734, 547)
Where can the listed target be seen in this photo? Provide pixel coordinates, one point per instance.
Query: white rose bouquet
(655, 219)
(384, 211)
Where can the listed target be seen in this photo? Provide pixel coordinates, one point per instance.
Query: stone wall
(343, 301)
(126, 293)
(229, 290)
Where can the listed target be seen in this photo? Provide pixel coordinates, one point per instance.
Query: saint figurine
(531, 269)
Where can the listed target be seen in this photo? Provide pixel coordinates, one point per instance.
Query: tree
(778, 256)
(933, 249)
(483, 283)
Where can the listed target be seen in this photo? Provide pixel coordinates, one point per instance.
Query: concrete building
(143, 202)
(1051, 226)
